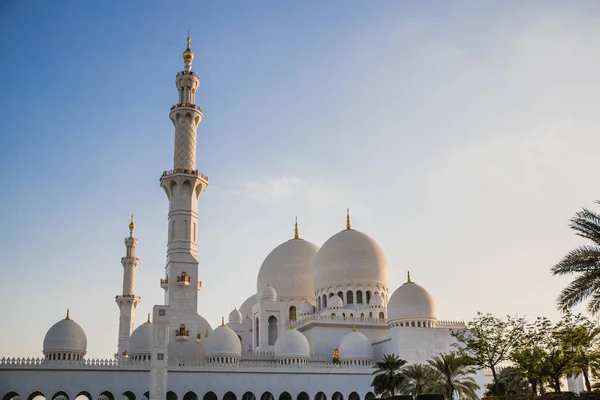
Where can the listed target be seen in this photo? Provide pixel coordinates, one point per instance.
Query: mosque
(318, 321)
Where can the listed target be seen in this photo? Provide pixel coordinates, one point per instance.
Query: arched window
(229, 396)
(359, 297)
(341, 295)
(381, 315)
(370, 315)
(257, 337)
(418, 324)
(272, 330)
(248, 396)
(368, 293)
(292, 313)
(343, 315)
(362, 315)
(324, 301)
(412, 324)
(331, 295)
(349, 297)
(319, 303)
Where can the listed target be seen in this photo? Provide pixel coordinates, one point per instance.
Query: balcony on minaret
(132, 298)
(183, 279)
(182, 333)
(199, 285)
(186, 105)
(198, 337)
(164, 283)
(185, 171)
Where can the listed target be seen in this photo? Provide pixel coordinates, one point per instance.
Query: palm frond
(594, 303)
(580, 259)
(578, 290)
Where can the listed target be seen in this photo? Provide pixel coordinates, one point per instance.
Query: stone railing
(187, 73)
(318, 317)
(184, 171)
(450, 324)
(187, 105)
(94, 362)
(243, 364)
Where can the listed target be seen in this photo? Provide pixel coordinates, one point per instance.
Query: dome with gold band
(187, 54)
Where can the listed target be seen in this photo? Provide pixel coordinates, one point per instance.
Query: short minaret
(183, 185)
(127, 301)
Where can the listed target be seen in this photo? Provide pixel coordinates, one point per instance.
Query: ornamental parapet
(183, 280)
(182, 333)
(187, 73)
(186, 105)
(184, 171)
(128, 296)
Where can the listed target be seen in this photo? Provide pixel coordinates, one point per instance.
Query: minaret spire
(127, 300)
(296, 229)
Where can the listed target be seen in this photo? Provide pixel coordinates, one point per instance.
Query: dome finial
(188, 55)
(348, 218)
(408, 278)
(222, 321)
(67, 314)
(353, 327)
(148, 319)
(131, 225)
(296, 229)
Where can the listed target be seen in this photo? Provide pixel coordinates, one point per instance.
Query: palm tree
(584, 262)
(388, 375)
(418, 379)
(453, 376)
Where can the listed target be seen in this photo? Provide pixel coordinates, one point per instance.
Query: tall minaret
(127, 301)
(183, 186)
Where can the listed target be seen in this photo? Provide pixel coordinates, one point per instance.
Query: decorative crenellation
(184, 171)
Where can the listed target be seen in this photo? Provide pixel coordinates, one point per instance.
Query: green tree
(418, 379)
(510, 382)
(487, 341)
(526, 356)
(388, 374)
(454, 375)
(584, 263)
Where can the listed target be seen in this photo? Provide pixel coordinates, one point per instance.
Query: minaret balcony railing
(164, 283)
(184, 171)
(187, 73)
(128, 296)
(186, 105)
(182, 334)
(183, 280)
(198, 337)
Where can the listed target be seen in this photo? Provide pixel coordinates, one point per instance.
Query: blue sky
(461, 135)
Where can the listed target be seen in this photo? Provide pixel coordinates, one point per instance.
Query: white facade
(310, 302)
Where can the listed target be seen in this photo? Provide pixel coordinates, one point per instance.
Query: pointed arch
(61, 396)
(85, 395)
(248, 396)
(369, 396)
(320, 396)
(272, 330)
(285, 396)
(267, 396)
(129, 394)
(190, 396)
(337, 396)
(11, 396)
(229, 396)
(171, 395)
(210, 396)
(303, 396)
(353, 396)
(36, 395)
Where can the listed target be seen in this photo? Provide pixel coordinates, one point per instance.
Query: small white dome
(335, 302)
(376, 300)
(222, 341)
(246, 307)
(65, 336)
(292, 344)
(235, 316)
(268, 293)
(289, 268)
(350, 257)
(411, 301)
(141, 340)
(355, 346)
(306, 308)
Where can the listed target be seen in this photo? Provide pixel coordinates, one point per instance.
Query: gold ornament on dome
(188, 55)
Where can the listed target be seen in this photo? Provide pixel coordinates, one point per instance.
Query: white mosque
(319, 319)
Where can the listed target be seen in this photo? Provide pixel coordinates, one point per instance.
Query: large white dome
(411, 301)
(222, 341)
(355, 346)
(289, 268)
(350, 257)
(141, 340)
(292, 344)
(65, 336)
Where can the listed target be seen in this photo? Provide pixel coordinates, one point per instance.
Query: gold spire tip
(408, 278)
(348, 218)
(353, 327)
(296, 229)
(222, 321)
(67, 314)
(148, 318)
(188, 55)
(131, 223)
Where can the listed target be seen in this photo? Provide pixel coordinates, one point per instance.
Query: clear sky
(462, 136)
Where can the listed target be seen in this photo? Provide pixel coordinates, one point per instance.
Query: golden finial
(206, 333)
(222, 321)
(67, 314)
(296, 230)
(348, 218)
(187, 54)
(148, 322)
(408, 278)
(353, 327)
(131, 224)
